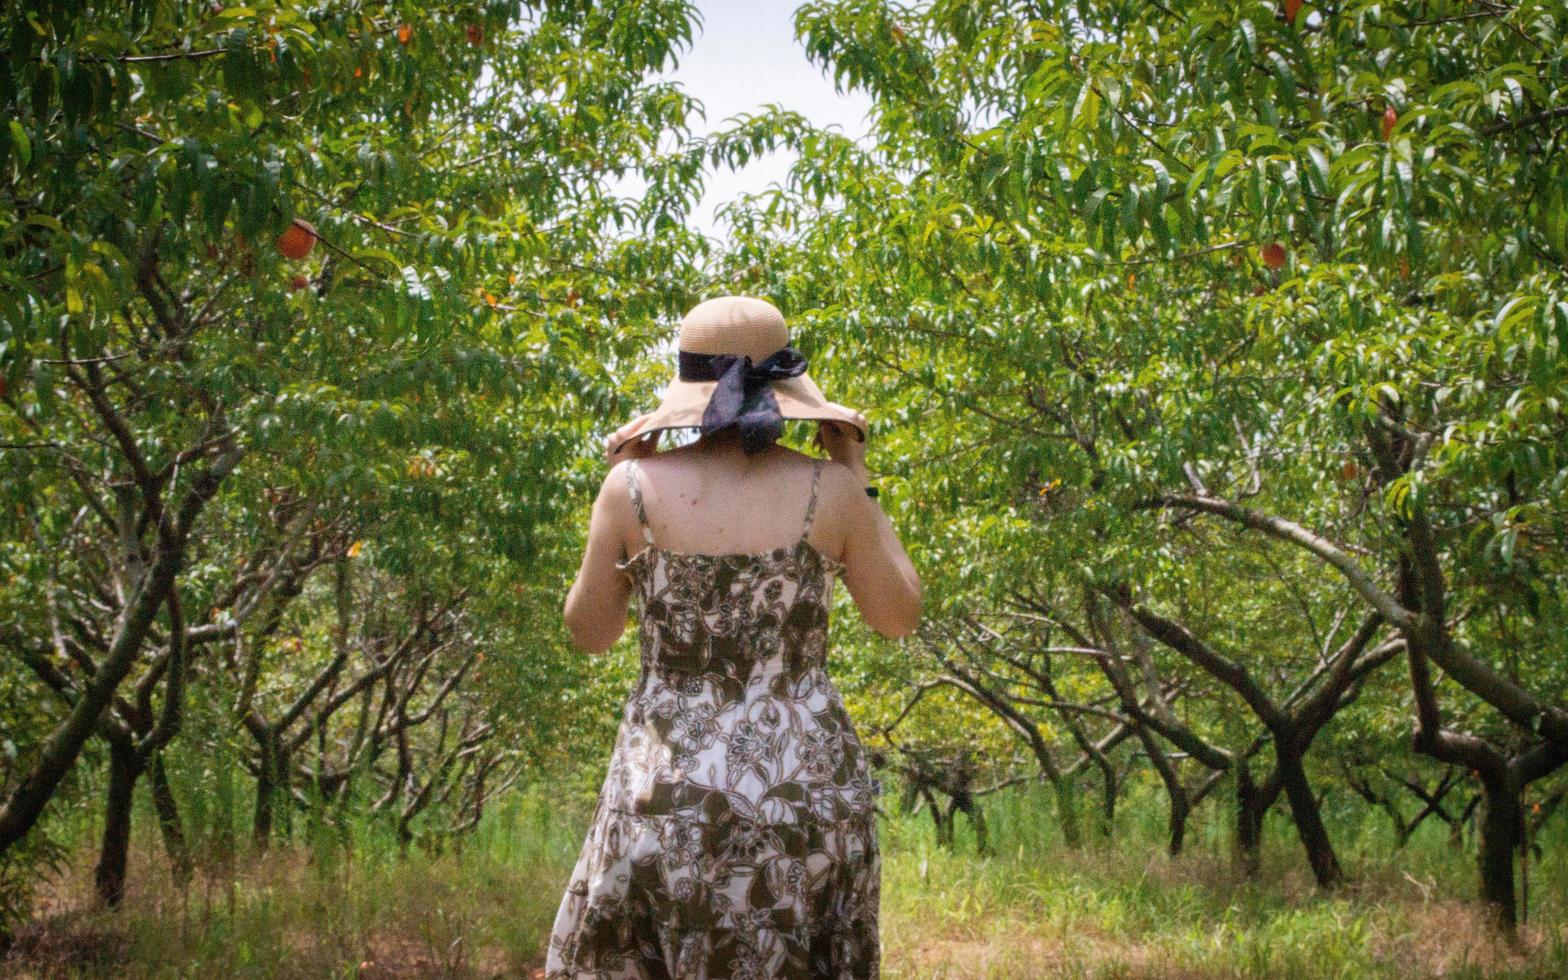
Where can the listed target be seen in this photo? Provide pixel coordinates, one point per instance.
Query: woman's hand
(842, 444)
(642, 448)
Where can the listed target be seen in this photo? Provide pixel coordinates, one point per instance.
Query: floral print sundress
(735, 834)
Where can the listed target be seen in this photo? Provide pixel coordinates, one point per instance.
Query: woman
(735, 834)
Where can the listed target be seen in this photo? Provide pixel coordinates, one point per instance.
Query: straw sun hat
(736, 368)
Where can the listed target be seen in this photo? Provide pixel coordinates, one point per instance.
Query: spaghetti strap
(636, 492)
(811, 505)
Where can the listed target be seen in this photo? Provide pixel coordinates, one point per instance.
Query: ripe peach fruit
(297, 239)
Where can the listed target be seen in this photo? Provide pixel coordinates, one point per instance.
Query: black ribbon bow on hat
(744, 396)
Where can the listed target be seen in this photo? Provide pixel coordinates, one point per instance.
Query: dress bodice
(730, 617)
(733, 715)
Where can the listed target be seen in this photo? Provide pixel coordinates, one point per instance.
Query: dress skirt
(666, 897)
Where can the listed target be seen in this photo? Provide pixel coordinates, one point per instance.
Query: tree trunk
(1181, 803)
(1308, 818)
(170, 827)
(1502, 820)
(942, 839)
(1180, 810)
(124, 769)
(1109, 791)
(977, 818)
(1067, 810)
(271, 781)
(1249, 820)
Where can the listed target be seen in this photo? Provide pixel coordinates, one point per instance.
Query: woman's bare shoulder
(613, 489)
(841, 479)
(842, 494)
(615, 477)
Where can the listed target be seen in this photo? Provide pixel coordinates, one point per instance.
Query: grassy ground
(1034, 909)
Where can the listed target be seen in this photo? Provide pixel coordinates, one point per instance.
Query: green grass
(1124, 908)
(333, 904)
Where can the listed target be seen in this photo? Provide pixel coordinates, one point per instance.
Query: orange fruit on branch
(405, 33)
(1292, 8)
(475, 33)
(299, 282)
(1274, 255)
(1390, 117)
(297, 239)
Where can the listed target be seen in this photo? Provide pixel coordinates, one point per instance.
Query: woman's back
(712, 498)
(719, 501)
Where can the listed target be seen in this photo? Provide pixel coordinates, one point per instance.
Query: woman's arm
(596, 605)
(877, 571)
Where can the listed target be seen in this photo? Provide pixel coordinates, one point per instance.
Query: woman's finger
(614, 441)
(625, 431)
(859, 418)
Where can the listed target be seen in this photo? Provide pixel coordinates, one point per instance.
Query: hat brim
(798, 398)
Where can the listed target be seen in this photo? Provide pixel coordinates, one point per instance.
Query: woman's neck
(725, 444)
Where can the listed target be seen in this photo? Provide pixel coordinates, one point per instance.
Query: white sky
(743, 56)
